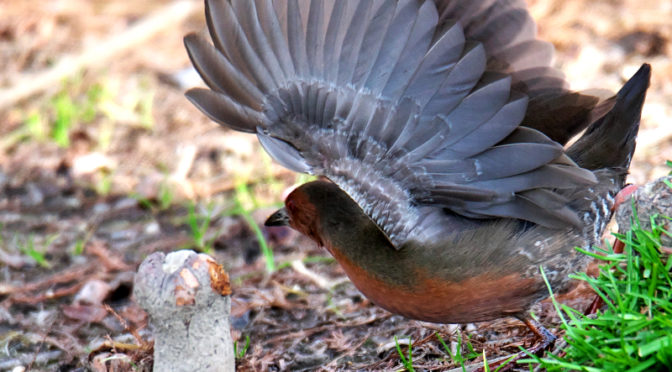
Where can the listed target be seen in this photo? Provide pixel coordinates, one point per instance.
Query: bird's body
(440, 126)
(478, 281)
(473, 272)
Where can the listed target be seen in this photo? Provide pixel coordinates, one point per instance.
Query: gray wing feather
(440, 59)
(529, 54)
(486, 99)
(315, 37)
(509, 36)
(416, 46)
(512, 159)
(237, 48)
(272, 28)
(394, 40)
(352, 42)
(505, 26)
(522, 206)
(547, 176)
(220, 74)
(223, 110)
(492, 131)
(333, 39)
(258, 39)
(283, 153)
(393, 101)
(372, 42)
(296, 39)
(460, 80)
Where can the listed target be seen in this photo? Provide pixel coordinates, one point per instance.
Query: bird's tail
(609, 142)
(606, 148)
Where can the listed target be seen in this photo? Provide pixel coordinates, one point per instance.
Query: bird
(444, 141)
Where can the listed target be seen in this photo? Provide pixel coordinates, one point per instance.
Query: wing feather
(372, 42)
(258, 40)
(352, 42)
(220, 75)
(315, 37)
(416, 46)
(395, 39)
(225, 111)
(509, 36)
(296, 38)
(407, 107)
(232, 38)
(272, 28)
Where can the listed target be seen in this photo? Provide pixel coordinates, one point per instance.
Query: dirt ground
(138, 170)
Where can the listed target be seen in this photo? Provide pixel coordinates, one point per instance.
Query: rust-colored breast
(479, 298)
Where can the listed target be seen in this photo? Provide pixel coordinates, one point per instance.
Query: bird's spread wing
(390, 102)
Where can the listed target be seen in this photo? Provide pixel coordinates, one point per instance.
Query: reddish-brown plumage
(479, 298)
(420, 282)
(304, 214)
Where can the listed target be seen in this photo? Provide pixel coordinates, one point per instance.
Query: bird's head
(300, 211)
(306, 208)
(323, 212)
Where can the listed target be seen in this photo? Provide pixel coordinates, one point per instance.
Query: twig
(37, 351)
(69, 275)
(316, 278)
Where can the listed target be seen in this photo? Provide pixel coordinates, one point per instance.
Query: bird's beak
(279, 218)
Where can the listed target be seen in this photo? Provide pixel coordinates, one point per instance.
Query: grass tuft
(634, 332)
(407, 361)
(458, 358)
(240, 353)
(38, 254)
(245, 203)
(198, 225)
